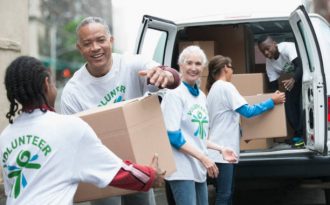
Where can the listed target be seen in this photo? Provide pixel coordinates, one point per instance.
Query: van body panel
(323, 32)
(314, 94)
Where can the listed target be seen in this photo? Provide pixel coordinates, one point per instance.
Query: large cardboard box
(249, 83)
(237, 42)
(256, 144)
(207, 46)
(134, 130)
(268, 125)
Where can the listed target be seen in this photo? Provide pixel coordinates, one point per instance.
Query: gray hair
(92, 19)
(190, 50)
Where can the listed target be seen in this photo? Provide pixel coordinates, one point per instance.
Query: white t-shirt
(84, 91)
(222, 101)
(185, 112)
(45, 155)
(283, 64)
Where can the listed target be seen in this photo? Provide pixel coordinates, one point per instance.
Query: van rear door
(314, 88)
(156, 39)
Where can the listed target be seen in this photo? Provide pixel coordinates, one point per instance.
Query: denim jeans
(140, 198)
(225, 184)
(189, 192)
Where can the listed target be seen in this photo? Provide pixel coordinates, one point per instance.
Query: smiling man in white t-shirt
(109, 78)
(282, 58)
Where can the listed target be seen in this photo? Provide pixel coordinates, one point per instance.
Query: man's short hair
(262, 38)
(92, 19)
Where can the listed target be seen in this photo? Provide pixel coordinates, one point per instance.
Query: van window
(154, 47)
(307, 46)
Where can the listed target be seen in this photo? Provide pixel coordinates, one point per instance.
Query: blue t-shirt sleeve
(176, 138)
(249, 111)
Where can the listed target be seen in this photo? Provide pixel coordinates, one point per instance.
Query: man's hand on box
(288, 84)
(158, 76)
(160, 174)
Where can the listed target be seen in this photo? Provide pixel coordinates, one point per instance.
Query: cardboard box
(256, 144)
(207, 46)
(249, 83)
(270, 124)
(237, 42)
(134, 130)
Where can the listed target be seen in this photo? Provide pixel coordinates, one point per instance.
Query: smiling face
(269, 48)
(191, 68)
(95, 45)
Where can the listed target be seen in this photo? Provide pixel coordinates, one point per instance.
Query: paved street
(255, 196)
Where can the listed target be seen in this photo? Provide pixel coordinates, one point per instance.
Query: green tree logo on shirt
(288, 68)
(200, 119)
(199, 116)
(24, 161)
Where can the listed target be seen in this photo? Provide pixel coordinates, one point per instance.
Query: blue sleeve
(176, 138)
(249, 111)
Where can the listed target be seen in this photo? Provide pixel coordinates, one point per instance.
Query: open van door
(314, 93)
(156, 39)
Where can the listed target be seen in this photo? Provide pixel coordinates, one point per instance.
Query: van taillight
(328, 108)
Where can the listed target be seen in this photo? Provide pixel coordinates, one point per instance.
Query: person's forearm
(187, 148)
(298, 69)
(134, 177)
(273, 86)
(211, 145)
(249, 111)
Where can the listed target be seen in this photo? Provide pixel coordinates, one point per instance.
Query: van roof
(235, 18)
(231, 18)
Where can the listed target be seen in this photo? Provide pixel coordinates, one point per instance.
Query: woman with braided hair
(44, 155)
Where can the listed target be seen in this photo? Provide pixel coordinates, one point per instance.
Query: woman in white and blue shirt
(187, 122)
(225, 105)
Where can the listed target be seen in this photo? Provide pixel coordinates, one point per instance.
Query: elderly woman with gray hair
(186, 120)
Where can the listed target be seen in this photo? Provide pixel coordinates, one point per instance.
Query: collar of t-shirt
(192, 89)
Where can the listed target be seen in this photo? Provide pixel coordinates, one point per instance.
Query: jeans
(141, 198)
(225, 184)
(189, 192)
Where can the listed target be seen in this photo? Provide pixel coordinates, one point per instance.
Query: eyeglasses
(230, 66)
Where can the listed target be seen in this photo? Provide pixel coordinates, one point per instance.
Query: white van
(160, 39)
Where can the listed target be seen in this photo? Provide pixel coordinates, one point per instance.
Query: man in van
(282, 59)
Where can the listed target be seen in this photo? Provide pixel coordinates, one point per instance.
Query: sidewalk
(159, 195)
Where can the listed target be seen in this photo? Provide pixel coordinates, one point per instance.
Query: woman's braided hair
(24, 81)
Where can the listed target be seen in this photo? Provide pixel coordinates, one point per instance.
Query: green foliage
(66, 48)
